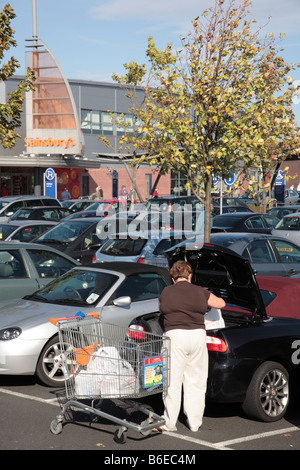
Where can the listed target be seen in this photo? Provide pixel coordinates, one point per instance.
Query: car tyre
(49, 367)
(267, 396)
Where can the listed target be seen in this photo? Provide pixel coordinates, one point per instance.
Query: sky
(92, 39)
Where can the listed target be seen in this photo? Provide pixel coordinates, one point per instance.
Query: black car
(251, 358)
(81, 238)
(54, 213)
(76, 238)
(244, 222)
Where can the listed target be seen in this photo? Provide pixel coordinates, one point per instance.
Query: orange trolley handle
(78, 315)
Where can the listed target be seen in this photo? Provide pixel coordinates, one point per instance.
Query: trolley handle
(78, 315)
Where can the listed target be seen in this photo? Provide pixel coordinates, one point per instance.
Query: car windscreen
(289, 223)
(77, 287)
(21, 214)
(65, 232)
(6, 230)
(124, 247)
(3, 204)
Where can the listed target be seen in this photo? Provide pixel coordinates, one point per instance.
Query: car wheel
(49, 368)
(154, 326)
(267, 396)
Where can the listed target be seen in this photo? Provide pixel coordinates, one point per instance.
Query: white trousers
(189, 368)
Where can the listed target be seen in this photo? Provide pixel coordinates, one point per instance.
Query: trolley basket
(101, 362)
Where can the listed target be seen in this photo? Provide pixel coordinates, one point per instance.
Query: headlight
(10, 333)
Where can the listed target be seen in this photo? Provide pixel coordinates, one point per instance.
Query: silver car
(118, 292)
(289, 227)
(140, 247)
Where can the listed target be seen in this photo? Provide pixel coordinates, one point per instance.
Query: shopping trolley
(100, 362)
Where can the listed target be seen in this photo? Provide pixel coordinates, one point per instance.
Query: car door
(289, 256)
(255, 224)
(264, 258)
(143, 290)
(17, 278)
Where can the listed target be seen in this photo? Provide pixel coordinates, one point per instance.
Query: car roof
(14, 223)
(128, 268)
(15, 198)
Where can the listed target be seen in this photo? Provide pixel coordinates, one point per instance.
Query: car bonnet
(223, 272)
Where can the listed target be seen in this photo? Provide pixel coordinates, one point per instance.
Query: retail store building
(61, 125)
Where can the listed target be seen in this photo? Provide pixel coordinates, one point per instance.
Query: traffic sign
(230, 181)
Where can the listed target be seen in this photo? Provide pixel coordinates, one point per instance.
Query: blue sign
(230, 181)
(50, 174)
(215, 180)
(50, 182)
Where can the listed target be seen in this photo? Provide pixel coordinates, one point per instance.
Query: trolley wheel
(56, 426)
(120, 436)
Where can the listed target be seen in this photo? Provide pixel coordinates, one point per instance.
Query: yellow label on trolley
(152, 371)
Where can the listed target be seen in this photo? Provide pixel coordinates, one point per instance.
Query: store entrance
(17, 183)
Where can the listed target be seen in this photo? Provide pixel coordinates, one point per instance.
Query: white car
(289, 227)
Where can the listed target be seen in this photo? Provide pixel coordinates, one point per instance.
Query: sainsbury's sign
(50, 142)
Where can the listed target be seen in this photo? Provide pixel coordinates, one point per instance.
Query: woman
(183, 306)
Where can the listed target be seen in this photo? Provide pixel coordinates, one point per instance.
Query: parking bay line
(50, 401)
(224, 445)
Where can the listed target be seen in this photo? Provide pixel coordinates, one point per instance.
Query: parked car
(25, 267)
(83, 214)
(289, 227)
(290, 196)
(172, 203)
(54, 213)
(76, 205)
(269, 255)
(251, 354)
(232, 201)
(140, 247)
(10, 204)
(23, 230)
(29, 343)
(229, 209)
(281, 211)
(244, 222)
(77, 238)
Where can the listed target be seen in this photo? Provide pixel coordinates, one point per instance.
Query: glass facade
(51, 103)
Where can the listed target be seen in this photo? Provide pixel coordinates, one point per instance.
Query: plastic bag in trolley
(106, 374)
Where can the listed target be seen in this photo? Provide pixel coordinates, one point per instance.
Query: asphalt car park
(28, 408)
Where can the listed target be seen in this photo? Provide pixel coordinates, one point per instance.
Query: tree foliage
(11, 111)
(218, 104)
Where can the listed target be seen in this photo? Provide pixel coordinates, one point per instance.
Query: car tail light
(137, 332)
(94, 260)
(215, 344)
(141, 260)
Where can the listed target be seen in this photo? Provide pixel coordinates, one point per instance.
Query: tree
(11, 111)
(200, 100)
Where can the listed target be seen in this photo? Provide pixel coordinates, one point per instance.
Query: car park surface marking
(51, 401)
(221, 445)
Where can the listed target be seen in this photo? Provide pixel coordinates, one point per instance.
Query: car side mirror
(122, 301)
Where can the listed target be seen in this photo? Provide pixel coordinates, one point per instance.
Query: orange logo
(64, 143)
